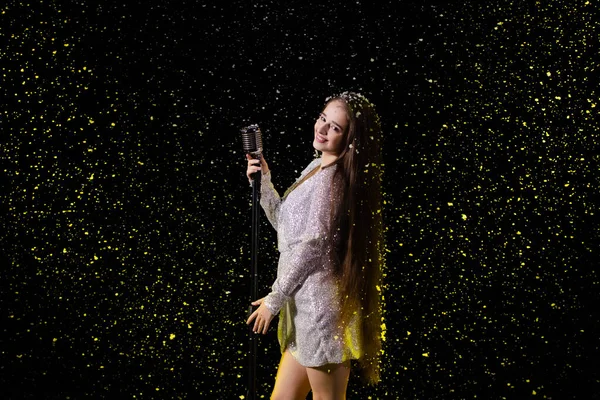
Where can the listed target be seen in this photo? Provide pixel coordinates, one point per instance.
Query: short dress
(305, 292)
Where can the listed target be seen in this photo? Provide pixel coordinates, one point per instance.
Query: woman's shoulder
(313, 164)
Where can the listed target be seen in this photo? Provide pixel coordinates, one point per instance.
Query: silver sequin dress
(305, 291)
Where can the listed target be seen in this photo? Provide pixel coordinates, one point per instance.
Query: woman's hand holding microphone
(255, 166)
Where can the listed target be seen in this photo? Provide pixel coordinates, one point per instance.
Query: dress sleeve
(310, 250)
(269, 199)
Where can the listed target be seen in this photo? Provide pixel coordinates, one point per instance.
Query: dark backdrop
(125, 210)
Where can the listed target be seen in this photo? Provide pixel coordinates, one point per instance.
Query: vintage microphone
(252, 141)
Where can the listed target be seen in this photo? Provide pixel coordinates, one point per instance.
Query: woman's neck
(327, 158)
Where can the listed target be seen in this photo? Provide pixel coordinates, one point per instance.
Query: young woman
(330, 238)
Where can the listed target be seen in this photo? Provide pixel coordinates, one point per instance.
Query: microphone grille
(258, 137)
(252, 139)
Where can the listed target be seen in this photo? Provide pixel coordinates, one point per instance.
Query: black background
(125, 208)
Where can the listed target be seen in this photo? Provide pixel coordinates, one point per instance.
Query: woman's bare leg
(329, 382)
(291, 382)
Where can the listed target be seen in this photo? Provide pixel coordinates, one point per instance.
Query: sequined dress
(305, 290)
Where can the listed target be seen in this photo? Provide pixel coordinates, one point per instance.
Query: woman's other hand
(261, 316)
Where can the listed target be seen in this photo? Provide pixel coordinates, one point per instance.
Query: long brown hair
(358, 225)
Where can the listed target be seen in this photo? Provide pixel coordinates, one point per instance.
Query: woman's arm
(269, 198)
(311, 247)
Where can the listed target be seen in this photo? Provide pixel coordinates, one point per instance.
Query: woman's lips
(320, 138)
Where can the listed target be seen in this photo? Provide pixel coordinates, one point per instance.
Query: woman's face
(330, 129)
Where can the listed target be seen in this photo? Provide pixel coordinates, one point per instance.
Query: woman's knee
(286, 396)
(294, 393)
(329, 396)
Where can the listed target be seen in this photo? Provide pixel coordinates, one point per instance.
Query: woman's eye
(335, 128)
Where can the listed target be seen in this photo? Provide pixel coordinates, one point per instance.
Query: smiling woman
(329, 232)
(329, 130)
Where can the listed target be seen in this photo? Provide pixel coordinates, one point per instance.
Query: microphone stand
(254, 289)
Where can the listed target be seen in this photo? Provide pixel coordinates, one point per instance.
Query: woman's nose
(323, 129)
